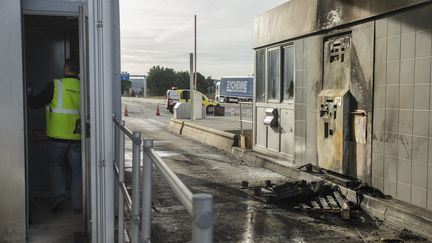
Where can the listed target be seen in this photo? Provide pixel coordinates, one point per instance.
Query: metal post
(241, 120)
(136, 158)
(195, 54)
(202, 223)
(147, 193)
(192, 115)
(116, 160)
(121, 180)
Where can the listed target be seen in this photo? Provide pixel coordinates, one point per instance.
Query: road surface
(238, 217)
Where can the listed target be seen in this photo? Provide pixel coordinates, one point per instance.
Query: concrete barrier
(219, 139)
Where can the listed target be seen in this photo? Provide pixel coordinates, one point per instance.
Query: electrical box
(333, 129)
(272, 117)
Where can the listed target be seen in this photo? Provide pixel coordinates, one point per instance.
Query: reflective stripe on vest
(63, 111)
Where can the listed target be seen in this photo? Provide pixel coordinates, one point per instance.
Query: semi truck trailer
(235, 89)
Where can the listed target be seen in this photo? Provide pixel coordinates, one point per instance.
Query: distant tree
(160, 79)
(125, 86)
(206, 85)
(183, 80)
(211, 86)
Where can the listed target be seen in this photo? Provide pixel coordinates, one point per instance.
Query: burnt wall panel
(313, 80)
(362, 61)
(402, 155)
(300, 104)
(309, 16)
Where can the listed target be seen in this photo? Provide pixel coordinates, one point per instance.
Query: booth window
(273, 75)
(288, 73)
(260, 76)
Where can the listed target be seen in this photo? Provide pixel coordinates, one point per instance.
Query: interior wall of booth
(49, 41)
(12, 134)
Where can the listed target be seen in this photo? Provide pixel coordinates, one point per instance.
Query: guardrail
(199, 206)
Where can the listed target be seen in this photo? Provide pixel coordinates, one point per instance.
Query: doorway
(49, 41)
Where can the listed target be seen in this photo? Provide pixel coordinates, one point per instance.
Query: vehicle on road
(235, 89)
(183, 95)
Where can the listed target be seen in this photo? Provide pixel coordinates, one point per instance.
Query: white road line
(157, 122)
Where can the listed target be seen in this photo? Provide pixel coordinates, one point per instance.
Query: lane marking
(157, 122)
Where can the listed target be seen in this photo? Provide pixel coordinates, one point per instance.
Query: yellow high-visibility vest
(64, 110)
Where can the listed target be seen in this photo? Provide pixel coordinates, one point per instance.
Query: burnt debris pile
(302, 195)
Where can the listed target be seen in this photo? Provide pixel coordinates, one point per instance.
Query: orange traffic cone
(126, 112)
(157, 110)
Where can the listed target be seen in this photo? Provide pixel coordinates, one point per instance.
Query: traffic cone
(126, 112)
(157, 110)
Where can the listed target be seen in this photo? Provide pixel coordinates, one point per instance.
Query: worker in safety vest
(61, 97)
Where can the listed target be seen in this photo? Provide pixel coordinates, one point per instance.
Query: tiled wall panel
(402, 160)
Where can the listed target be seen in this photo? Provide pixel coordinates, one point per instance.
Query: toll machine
(334, 104)
(37, 36)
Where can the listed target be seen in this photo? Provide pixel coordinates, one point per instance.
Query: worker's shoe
(58, 204)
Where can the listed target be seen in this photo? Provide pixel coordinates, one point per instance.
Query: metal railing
(199, 206)
(241, 120)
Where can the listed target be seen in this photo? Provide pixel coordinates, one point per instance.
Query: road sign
(124, 76)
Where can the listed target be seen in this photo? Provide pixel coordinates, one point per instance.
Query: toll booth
(345, 85)
(37, 37)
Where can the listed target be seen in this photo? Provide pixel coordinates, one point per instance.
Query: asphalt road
(238, 216)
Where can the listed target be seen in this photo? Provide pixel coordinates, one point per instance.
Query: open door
(85, 117)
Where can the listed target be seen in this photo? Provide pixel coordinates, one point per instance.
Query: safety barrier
(199, 206)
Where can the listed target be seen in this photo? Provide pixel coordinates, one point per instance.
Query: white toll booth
(37, 36)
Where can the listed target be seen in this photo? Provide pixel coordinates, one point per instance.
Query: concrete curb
(392, 211)
(212, 137)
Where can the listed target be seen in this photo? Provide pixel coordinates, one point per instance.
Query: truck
(235, 89)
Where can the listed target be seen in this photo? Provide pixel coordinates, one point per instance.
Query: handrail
(122, 186)
(182, 192)
(199, 206)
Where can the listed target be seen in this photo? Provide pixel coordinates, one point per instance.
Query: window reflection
(273, 78)
(260, 76)
(288, 82)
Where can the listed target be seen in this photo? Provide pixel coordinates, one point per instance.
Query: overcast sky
(160, 32)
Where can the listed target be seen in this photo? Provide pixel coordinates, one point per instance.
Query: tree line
(160, 79)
